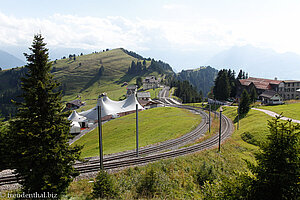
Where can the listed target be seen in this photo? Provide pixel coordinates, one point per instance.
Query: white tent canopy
(110, 107)
(75, 117)
(75, 127)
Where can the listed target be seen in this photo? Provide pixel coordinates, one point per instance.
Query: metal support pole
(100, 137)
(220, 128)
(137, 131)
(209, 118)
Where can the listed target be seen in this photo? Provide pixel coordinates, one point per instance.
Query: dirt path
(273, 114)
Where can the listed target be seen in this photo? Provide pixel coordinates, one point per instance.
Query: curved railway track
(151, 154)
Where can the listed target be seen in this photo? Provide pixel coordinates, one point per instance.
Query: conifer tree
(278, 165)
(222, 86)
(244, 105)
(41, 155)
(253, 94)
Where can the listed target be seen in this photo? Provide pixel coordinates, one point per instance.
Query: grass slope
(81, 76)
(155, 125)
(179, 178)
(287, 110)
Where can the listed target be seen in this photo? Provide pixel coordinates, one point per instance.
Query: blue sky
(161, 29)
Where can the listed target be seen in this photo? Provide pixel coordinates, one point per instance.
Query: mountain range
(9, 61)
(258, 62)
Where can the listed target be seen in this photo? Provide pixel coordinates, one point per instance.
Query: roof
(110, 107)
(143, 95)
(76, 102)
(150, 79)
(260, 83)
(290, 81)
(75, 117)
(268, 94)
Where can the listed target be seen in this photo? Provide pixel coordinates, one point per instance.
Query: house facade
(289, 89)
(271, 97)
(145, 96)
(150, 82)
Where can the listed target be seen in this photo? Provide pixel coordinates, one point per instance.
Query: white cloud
(71, 31)
(93, 32)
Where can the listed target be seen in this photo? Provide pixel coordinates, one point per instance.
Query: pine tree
(222, 86)
(4, 154)
(139, 82)
(41, 155)
(240, 75)
(244, 105)
(278, 165)
(253, 94)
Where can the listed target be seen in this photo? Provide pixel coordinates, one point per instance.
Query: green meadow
(155, 125)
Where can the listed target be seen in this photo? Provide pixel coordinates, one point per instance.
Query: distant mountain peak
(9, 61)
(258, 62)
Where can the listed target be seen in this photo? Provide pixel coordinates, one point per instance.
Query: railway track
(129, 159)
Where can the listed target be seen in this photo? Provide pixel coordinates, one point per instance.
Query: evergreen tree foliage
(244, 105)
(39, 134)
(278, 163)
(201, 78)
(253, 94)
(104, 186)
(139, 82)
(4, 153)
(185, 91)
(242, 75)
(222, 86)
(149, 184)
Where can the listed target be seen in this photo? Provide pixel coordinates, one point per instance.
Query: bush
(149, 184)
(205, 173)
(104, 186)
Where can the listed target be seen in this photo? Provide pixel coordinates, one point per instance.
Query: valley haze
(251, 35)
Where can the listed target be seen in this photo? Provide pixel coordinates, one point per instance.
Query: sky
(173, 31)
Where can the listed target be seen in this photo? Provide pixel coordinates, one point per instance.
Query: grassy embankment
(155, 125)
(287, 110)
(179, 178)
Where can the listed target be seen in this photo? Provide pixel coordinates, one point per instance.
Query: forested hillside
(201, 78)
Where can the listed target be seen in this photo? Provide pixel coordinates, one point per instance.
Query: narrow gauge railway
(150, 154)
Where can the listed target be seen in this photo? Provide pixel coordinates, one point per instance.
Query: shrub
(104, 186)
(205, 173)
(149, 184)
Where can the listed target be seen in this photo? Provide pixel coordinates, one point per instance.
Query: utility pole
(100, 137)
(137, 130)
(220, 128)
(209, 117)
